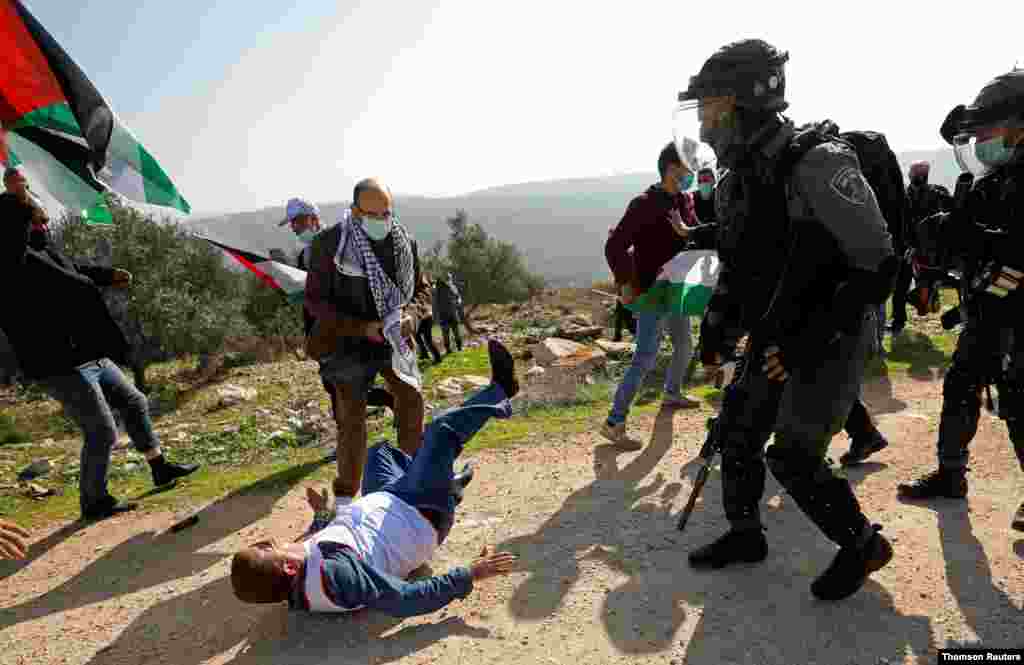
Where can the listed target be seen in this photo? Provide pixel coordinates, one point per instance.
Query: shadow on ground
(151, 558)
(210, 622)
(762, 613)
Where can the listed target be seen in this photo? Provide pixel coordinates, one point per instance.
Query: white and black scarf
(390, 296)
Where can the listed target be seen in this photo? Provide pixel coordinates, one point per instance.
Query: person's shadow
(601, 520)
(209, 622)
(758, 613)
(988, 609)
(150, 558)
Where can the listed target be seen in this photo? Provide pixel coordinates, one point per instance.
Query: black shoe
(851, 566)
(462, 479)
(863, 447)
(165, 473)
(108, 507)
(503, 368)
(944, 483)
(747, 546)
(1018, 519)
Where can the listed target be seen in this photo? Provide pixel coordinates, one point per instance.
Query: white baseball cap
(298, 207)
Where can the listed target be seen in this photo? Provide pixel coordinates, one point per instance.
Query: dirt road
(603, 579)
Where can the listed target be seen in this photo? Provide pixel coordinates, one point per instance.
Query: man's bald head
(373, 197)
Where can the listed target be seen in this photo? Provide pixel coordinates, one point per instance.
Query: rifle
(707, 453)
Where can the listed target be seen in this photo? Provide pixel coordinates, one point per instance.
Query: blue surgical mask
(685, 181)
(377, 229)
(993, 152)
(306, 237)
(706, 189)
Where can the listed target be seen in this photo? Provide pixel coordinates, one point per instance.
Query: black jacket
(53, 312)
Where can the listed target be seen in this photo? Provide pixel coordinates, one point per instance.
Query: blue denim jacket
(350, 582)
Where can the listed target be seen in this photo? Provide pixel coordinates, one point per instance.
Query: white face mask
(306, 237)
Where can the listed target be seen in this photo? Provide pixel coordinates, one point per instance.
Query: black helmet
(752, 70)
(1002, 99)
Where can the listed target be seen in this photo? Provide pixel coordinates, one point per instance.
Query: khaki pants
(351, 420)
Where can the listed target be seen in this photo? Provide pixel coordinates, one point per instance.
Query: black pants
(451, 327)
(425, 339)
(899, 296)
(978, 358)
(803, 413)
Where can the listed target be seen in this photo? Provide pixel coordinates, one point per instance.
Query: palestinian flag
(61, 132)
(280, 276)
(683, 285)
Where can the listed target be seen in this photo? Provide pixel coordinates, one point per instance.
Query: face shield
(695, 152)
(983, 140)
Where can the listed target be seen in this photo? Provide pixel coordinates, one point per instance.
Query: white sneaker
(617, 435)
(680, 402)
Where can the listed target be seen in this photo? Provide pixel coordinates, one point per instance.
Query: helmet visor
(686, 132)
(981, 150)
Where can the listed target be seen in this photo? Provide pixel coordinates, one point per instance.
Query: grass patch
(9, 432)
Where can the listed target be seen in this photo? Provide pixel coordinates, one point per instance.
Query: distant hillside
(559, 225)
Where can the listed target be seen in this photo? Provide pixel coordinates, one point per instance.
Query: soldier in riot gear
(983, 239)
(816, 260)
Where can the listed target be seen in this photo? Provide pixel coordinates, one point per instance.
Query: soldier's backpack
(878, 163)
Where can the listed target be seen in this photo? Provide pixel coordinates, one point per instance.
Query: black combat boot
(1018, 519)
(165, 473)
(461, 480)
(946, 483)
(503, 368)
(862, 447)
(746, 546)
(851, 566)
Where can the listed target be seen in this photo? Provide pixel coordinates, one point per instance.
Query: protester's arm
(621, 238)
(350, 582)
(98, 274)
(321, 263)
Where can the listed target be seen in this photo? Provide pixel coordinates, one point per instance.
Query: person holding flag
(654, 228)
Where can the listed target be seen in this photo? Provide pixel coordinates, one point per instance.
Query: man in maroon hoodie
(654, 228)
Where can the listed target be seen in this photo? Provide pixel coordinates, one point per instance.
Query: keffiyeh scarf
(390, 296)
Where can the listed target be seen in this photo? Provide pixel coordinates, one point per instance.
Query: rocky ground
(603, 575)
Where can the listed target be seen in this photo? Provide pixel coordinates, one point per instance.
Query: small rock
(536, 370)
(231, 395)
(130, 466)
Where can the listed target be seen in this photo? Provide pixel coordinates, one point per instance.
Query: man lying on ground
(359, 557)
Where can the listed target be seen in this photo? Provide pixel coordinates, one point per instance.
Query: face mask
(684, 182)
(706, 188)
(306, 237)
(377, 229)
(993, 152)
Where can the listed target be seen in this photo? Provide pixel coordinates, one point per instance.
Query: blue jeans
(88, 394)
(648, 338)
(425, 481)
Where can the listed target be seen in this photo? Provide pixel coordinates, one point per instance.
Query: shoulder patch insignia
(850, 185)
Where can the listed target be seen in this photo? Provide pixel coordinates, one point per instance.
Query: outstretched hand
(491, 564)
(318, 501)
(12, 541)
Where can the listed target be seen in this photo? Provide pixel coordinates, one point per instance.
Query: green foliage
(490, 271)
(269, 313)
(9, 432)
(183, 298)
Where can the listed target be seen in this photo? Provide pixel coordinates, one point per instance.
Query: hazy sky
(248, 103)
